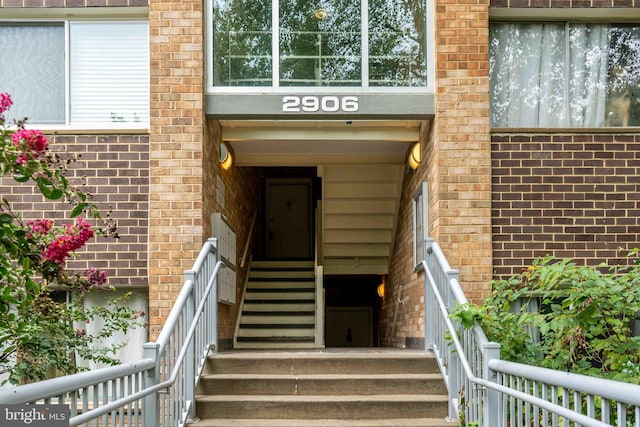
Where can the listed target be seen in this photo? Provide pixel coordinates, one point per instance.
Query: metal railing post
(452, 354)
(492, 416)
(454, 382)
(319, 339)
(212, 303)
(150, 406)
(429, 303)
(190, 359)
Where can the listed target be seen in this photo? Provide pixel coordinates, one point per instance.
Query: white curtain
(32, 62)
(588, 79)
(541, 78)
(134, 339)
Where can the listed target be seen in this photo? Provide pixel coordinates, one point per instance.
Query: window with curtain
(564, 75)
(32, 70)
(77, 73)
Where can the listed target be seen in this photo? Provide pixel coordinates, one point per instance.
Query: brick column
(175, 149)
(461, 141)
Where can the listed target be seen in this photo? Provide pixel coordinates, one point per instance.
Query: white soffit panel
(262, 143)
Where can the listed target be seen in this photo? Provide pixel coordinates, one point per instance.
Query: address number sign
(324, 104)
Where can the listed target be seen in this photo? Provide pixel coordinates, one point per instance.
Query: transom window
(336, 43)
(564, 75)
(76, 73)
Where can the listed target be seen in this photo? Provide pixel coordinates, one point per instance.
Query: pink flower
(39, 227)
(32, 139)
(95, 277)
(74, 238)
(5, 102)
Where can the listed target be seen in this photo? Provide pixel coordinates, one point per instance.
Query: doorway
(352, 311)
(289, 218)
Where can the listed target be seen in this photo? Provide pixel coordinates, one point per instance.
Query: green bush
(581, 319)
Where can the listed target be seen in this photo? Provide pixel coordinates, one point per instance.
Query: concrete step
(264, 345)
(280, 295)
(276, 332)
(279, 284)
(322, 406)
(289, 264)
(396, 422)
(274, 319)
(279, 306)
(294, 275)
(319, 384)
(313, 388)
(300, 363)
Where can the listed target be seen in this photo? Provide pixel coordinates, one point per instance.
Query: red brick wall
(238, 201)
(176, 146)
(461, 162)
(564, 3)
(573, 196)
(114, 169)
(457, 166)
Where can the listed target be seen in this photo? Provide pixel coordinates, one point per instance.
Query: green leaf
(48, 190)
(78, 210)
(5, 218)
(21, 177)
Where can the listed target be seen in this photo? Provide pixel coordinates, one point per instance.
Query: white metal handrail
(158, 390)
(494, 393)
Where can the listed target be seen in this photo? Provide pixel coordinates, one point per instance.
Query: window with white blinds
(89, 73)
(109, 72)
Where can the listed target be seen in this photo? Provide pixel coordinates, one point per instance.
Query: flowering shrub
(43, 319)
(559, 315)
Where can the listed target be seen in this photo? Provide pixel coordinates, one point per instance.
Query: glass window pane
(109, 72)
(588, 52)
(528, 75)
(397, 43)
(623, 84)
(242, 54)
(320, 43)
(32, 62)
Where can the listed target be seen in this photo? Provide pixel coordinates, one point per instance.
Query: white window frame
(420, 223)
(363, 89)
(618, 15)
(141, 127)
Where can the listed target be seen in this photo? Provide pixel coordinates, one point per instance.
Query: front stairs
(278, 307)
(311, 388)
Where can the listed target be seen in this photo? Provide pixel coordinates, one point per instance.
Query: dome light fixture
(415, 156)
(320, 13)
(382, 286)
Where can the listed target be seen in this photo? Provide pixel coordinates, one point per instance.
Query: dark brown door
(289, 224)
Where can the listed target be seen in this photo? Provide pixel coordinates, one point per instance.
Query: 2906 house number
(325, 104)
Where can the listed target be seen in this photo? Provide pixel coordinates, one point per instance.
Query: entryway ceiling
(309, 143)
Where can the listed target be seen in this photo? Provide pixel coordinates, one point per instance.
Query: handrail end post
(150, 404)
(492, 412)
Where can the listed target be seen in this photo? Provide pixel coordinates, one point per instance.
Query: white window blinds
(109, 73)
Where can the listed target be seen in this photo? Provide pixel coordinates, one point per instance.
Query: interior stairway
(368, 388)
(278, 307)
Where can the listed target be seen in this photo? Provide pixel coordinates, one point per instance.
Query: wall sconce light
(415, 156)
(381, 287)
(226, 157)
(320, 13)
